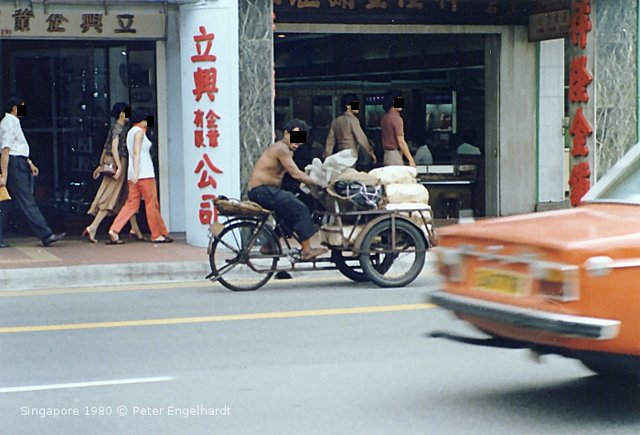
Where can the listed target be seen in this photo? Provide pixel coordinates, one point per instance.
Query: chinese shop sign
(209, 113)
(204, 83)
(580, 79)
(402, 11)
(66, 23)
(548, 19)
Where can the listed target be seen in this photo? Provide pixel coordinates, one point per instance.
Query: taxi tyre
(378, 277)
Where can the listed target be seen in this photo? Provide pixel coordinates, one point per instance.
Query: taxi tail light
(558, 282)
(450, 264)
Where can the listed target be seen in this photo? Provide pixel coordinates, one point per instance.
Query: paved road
(307, 355)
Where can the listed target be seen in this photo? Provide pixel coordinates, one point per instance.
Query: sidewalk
(74, 262)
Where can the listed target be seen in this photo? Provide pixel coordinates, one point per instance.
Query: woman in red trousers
(142, 184)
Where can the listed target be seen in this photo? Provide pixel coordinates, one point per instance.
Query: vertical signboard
(582, 107)
(210, 111)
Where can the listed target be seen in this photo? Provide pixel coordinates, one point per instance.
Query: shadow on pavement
(588, 399)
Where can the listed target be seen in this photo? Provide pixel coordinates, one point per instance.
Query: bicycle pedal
(294, 255)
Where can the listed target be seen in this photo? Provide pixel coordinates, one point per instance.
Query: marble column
(256, 82)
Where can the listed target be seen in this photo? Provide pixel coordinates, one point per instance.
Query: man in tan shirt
(346, 131)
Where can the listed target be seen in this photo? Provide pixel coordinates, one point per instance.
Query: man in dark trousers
(265, 185)
(17, 172)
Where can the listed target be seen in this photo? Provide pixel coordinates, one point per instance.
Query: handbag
(108, 166)
(4, 194)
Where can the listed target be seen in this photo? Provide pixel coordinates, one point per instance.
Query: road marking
(219, 318)
(85, 384)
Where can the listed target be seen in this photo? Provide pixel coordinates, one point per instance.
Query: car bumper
(560, 324)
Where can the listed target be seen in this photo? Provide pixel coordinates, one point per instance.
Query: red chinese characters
(205, 83)
(199, 39)
(207, 180)
(579, 79)
(580, 22)
(579, 182)
(580, 130)
(207, 213)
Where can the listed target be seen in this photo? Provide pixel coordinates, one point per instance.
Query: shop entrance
(450, 86)
(69, 88)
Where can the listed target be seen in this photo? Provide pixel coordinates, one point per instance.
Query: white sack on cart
(326, 172)
(418, 211)
(395, 174)
(399, 193)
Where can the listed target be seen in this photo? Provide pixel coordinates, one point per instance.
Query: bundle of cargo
(404, 193)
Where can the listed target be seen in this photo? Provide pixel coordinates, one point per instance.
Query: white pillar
(551, 109)
(220, 18)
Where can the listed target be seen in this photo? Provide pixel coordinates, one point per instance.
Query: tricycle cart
(387, 247)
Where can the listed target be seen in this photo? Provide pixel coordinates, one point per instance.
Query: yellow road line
(219, 318)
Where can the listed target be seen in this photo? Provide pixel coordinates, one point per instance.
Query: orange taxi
(564, 282)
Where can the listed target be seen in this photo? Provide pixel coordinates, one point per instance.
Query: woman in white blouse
(142, 184)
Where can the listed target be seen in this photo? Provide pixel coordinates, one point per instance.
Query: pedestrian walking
(141, 183)
(346, 132)
(18, 172)
(392, 125)
(113, 191)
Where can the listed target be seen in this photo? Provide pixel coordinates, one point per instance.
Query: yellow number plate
(500, 281)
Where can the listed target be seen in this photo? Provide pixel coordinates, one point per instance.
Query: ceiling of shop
(303, 57)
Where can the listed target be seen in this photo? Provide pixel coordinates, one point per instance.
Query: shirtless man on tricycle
(266, 181)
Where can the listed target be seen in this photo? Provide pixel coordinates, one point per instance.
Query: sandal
(164, 240)
(114, 240)
(315, 252)
(91, 236)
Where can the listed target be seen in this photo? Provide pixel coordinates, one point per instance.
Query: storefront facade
(207, 70)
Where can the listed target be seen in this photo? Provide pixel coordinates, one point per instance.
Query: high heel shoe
(134, 236)
(114, 239)
(91, 236)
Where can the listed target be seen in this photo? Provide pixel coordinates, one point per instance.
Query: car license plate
(510, 283)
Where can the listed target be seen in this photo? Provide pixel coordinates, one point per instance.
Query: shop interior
(441, 78)
(69, 88)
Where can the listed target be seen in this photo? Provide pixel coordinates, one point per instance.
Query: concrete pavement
(73, 262)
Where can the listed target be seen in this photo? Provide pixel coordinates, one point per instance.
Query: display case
(373, 110)
(440, 111)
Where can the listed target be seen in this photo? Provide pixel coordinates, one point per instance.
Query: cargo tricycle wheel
(407, 261)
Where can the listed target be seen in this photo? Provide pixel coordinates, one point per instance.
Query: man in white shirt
(466, 148)
(17, 172)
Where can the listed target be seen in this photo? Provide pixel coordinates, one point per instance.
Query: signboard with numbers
(60, 21)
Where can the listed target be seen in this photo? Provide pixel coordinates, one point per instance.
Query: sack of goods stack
(403, 192)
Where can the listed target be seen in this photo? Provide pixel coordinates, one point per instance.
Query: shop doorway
(70, 88)
(450, 84)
